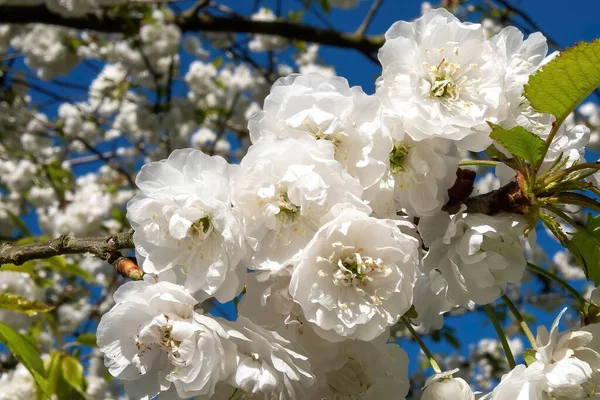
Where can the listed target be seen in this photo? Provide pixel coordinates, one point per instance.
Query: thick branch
(104, 247)
(188, 22)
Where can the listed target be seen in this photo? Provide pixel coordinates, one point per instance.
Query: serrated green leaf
(26, 353)
(14, 302)
(87, 339)
(529, 356)
(587, 242)
(60, 264)
(520, 142)
(561, 85)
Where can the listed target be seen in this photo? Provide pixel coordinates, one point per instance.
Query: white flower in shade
(183, 220)
(315, 107)
(477, 254)
(422, 172)
(284, 189)
(153, 340)
(17, 384)
(441, 79)
(355, 277)
(365, 370)
(522, 383)
(431, 300)
(267, 303)
(267, 365)
(444, 387)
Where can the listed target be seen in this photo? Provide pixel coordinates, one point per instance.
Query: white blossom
(183, 220)
(441, 79)
(477, 254)
(283, 190)
(315, 107)
(355, 277)
(154, 341)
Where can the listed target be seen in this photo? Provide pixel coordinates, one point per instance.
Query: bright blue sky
(566, 23)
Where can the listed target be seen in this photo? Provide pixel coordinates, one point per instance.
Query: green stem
(564, 199)
(540, 271)
(567, 171)
(417, 338)
(487, 163)
(549, 140)
(517, 314)
(563, 215)
(509, 355)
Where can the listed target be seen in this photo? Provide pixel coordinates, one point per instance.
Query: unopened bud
(128, 269)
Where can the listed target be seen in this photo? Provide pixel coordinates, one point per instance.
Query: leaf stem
(519, 317)
(562, 283)
(509, 355)
(549, 139)
(418, 339)
(567, 171)
(487, 163)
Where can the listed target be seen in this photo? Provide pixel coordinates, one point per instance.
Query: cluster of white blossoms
(333, 230)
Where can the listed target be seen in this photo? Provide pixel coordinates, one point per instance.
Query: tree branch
(104, 247)
(188, 22)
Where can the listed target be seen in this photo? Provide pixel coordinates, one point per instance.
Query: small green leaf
(587, 242)
(529, 356)
(87, 339)
(325, 5)
(26, 353)
(520, 142)
(14, 302)
(72, 374)
(561, 85)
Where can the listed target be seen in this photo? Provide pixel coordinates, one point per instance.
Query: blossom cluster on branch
(339, 224)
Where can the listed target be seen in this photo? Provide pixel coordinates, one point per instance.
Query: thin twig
(362, 29)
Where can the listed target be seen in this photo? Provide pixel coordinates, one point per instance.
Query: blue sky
(567, 23)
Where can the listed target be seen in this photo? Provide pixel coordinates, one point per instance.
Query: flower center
(158, 333)
(355, 270)
(201, 228)
(336, 138)
(398, 157)
(445, 82)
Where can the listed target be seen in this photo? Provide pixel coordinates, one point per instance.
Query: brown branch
(189, 22)
(104, 247)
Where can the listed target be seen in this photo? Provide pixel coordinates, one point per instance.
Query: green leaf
(72, 374)
(520, 142)
(14, 302)
(561, 85)
(529, 356)
(26, 353)
(587, 242)
(87, 339)
(60, 264)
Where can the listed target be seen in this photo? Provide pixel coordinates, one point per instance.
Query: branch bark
(104, 247)
(189, 22)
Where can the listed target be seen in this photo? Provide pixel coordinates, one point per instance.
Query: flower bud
(444, 387)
